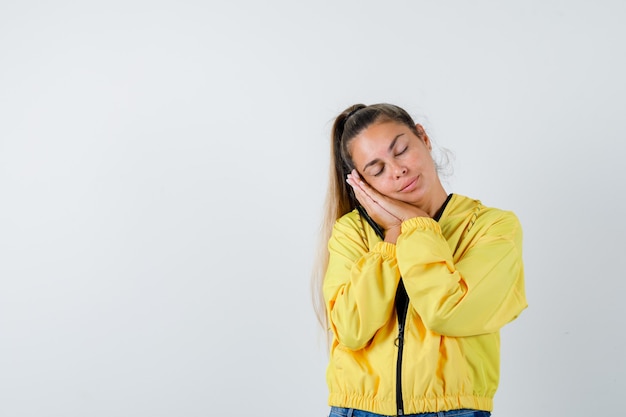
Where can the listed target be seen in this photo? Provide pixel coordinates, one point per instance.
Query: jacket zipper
(402, 306)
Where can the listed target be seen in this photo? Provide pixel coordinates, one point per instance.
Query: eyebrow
(389, 149)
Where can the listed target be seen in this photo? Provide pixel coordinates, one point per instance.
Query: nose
(399, 171)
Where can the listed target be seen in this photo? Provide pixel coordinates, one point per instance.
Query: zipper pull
(400, 339)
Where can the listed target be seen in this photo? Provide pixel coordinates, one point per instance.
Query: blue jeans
(351, 412)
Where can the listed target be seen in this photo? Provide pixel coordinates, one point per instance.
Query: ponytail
(340, 198)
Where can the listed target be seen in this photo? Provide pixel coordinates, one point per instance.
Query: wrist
(391, 234)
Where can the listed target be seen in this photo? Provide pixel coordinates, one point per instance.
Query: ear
(423, 136)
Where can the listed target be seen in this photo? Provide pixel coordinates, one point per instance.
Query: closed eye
(402, 151)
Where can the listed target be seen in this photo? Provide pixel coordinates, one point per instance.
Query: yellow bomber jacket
(464, 277)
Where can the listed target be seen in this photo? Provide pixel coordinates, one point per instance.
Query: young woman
(416, 282)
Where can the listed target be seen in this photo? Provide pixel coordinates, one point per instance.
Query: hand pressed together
(387, 212)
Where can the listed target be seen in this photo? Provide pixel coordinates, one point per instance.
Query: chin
(411, 201)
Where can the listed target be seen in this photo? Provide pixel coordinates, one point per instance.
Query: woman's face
(396, 162)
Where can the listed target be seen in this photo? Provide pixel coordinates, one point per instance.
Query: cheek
(423, 162)
(381, 185)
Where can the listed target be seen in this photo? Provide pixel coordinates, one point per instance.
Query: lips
(409, 186)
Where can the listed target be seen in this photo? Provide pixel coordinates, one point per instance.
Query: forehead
(382, 131)
(376, 139)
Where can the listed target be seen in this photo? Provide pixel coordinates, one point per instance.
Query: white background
(163, 166)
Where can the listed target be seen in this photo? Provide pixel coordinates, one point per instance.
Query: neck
(439, 197)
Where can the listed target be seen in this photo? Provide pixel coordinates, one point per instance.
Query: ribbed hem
(420, 223)
(387, 250)
(411, 405)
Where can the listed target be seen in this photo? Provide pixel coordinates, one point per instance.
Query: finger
(358, 192)
(370, 195)
(379, 213)
(365, 187)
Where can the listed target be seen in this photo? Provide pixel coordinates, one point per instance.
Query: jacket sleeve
(475, 294)
(359, 286)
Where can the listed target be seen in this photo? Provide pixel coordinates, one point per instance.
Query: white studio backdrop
(163, 166)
